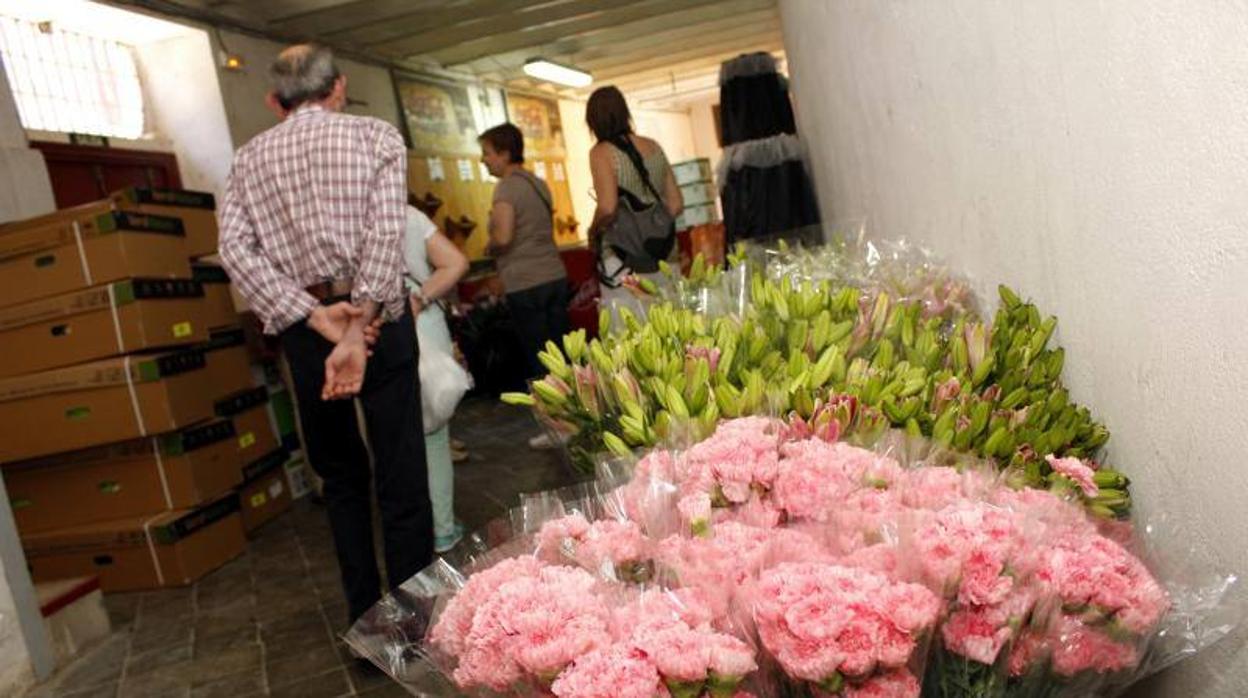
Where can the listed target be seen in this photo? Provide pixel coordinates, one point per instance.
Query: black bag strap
(537, 190)
(625, 144)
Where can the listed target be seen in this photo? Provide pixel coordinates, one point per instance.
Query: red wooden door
(83, 173)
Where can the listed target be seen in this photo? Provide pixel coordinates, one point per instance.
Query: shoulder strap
(625, 145)
(537, 190)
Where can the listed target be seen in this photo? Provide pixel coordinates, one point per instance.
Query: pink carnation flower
(819, 619)
(450, 632)
(729, 656)
(1076, 470)
(1077, 648)
(557, 539)
(696, 510)
(679, 653)
(892, 684)
(1095, 571)
(975, 633)
(534, 626)
(618, 671)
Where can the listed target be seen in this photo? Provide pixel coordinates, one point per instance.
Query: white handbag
(443, 383)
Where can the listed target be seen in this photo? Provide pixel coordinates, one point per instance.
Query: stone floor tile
(160, 658)
(327, 685)
(214, 666)
(292, 668)
(226, 640)
(97, 667)
(241, 685)
(158, 684)
(153, 637)
(389, 690)
(280, 645)
(105, 691)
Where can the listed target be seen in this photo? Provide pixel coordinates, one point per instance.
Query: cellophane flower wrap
(841, 481)
(770, 560)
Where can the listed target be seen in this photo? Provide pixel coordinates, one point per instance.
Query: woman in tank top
(612, 169)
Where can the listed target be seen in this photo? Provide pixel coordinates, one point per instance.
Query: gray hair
(303, 73)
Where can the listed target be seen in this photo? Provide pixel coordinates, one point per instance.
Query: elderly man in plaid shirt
(312, 226)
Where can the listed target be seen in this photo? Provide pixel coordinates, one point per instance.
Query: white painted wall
(702, 121)
(185, 108)
(672, 129)
(243, 91)
(1095, 157)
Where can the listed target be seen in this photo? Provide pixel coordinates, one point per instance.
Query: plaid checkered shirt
(320, 196)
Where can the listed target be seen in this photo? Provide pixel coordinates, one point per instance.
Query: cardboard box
(171, 549)
(229, 362)
(299, 476)
(100, 259)
(690, 171)
(102, 402)
(265, 494)
(196, 210)
(249, 411)
(698, 194)
(85, 222)
(123, 317)
(217, 292)
(179, 470)
(694, 216)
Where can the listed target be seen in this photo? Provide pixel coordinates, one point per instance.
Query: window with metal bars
(69, 82)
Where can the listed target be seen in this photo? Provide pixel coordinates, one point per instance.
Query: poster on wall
(538, 119)
(439, 116)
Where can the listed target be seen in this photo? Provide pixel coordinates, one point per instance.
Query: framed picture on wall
(538, 119)
(438, 115)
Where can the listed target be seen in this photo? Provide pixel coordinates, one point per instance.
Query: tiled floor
(267, 623)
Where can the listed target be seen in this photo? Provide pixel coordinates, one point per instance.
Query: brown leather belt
(331, 288)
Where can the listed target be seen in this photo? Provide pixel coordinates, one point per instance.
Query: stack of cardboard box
(129, 408)
(695, 179)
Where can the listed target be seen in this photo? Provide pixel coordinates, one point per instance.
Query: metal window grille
(69, 82)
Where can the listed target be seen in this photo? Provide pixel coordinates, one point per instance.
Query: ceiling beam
(538, 35)
(277, 10)
(493, 27)
(693, 38)
(711, 51)
(593, 50)
(569, 46)
(364, 30)
(354, 13)
(643, 78)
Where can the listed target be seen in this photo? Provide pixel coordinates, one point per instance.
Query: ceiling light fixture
(543, 69)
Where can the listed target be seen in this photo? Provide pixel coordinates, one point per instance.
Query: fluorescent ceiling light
(543, 69)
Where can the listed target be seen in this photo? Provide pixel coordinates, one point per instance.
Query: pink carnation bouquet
(614, 550)
(837, 630)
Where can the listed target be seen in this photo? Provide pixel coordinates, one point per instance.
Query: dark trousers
(540, 314)
(392, 413)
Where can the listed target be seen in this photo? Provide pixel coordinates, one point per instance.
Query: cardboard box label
(168, 197)
(109, 296)
(258, 499)
(265, 464)
(183, 329)
(241, 401)
(247, 440)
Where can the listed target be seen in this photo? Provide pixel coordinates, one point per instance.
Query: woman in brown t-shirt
(522, 241)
